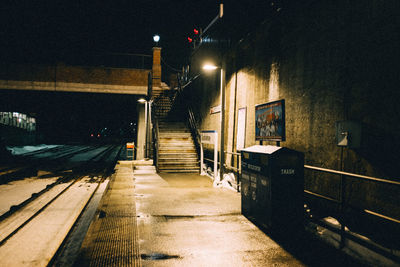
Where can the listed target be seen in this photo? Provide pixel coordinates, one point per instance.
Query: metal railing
(194, 129)
(155, 142)
(345, 203)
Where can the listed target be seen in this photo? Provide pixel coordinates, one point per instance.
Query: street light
(211, 67)
(156, 38)
(147, 119)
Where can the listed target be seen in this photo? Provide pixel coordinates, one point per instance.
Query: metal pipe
(342, 202)
(146, 125)
(353, 175)
(221, 172)
(382, 216)
(322, 196)
(356, 176)
(233, 153)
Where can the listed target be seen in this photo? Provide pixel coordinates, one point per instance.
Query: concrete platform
(180, 219)
(112, 237)
(184, 221)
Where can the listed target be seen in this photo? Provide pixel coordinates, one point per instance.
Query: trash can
(130, 151)
(272, 187)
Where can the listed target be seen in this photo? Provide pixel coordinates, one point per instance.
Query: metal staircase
(175, 150)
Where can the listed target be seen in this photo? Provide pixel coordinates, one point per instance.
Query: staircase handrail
(192, 122)
(194, 129)
(155, 141)
(173, 93)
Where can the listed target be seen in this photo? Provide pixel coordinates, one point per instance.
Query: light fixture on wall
(209, 66)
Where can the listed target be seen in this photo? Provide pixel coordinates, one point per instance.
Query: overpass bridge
(88, 79)
(63, 78)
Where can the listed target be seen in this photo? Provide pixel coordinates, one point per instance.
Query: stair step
(171, 149)
(180, 148)
(174, 163)
(175, 135)
(174, 143)
(178, 140)
(178, 167)
(178, 160)
(166, 128)
(168, 140)
(172, 129)
(176, 155)
(172, 122)
(177, 151)
(193, 159)
(180, 171)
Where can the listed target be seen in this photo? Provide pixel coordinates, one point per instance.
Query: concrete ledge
(73, 87)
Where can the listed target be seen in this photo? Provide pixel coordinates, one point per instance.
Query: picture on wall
(270, 121)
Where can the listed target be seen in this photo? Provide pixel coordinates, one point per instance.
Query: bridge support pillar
(141, 132)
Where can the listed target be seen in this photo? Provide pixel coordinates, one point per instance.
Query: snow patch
(228, 182)
(19, 150)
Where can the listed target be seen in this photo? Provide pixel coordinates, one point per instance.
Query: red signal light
(196, 31)
(190, 39)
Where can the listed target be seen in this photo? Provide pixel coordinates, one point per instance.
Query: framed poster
(241, 129)
(270, 121)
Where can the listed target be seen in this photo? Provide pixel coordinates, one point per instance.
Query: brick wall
(75, 74)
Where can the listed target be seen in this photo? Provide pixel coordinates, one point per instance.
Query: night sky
(75, 33)
(86, 33)
(72, 30)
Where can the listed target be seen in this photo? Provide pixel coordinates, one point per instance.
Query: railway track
(32, 232)
(51, 159)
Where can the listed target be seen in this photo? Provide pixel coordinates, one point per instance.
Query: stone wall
(330, 61)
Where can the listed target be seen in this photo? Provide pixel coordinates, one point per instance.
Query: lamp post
(211, 67)
(156, 38)
(147, 119)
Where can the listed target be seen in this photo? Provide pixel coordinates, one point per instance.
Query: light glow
(142, 100)
(156, 38)
(209, 67)
(273, 92)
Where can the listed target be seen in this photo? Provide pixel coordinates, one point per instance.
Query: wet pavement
(184, 221)
(179, 219)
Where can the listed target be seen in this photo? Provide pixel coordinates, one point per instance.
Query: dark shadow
(306, 248)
